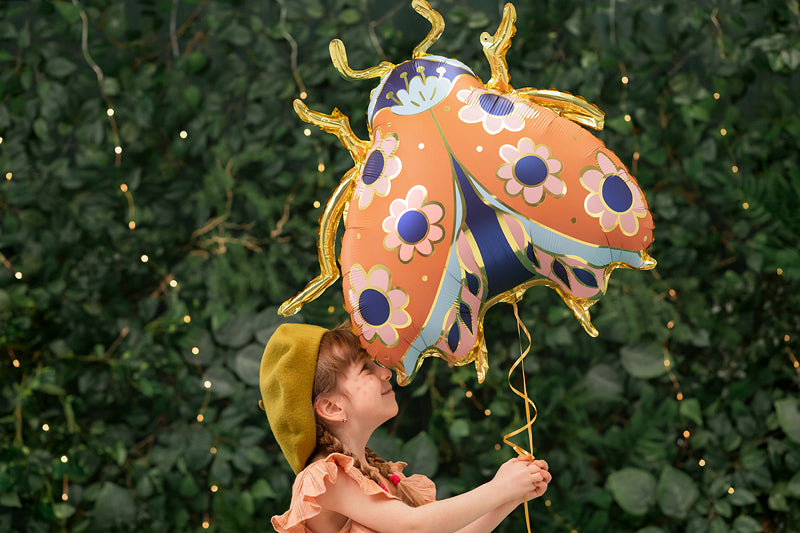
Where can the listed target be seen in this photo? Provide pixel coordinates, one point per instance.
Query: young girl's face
(367, 393)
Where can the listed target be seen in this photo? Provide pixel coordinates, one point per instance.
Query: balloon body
(466, 196)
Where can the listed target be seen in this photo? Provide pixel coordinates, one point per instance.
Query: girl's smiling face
(367, 393)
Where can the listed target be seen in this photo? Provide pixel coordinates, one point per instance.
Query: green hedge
(115, 339)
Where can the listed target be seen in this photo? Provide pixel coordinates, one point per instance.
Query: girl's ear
(330, 409)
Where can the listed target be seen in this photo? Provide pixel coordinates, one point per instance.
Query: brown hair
(338, 349)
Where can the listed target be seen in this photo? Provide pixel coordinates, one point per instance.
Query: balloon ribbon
(528, 402)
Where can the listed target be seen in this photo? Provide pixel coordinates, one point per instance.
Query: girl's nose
(386, 374)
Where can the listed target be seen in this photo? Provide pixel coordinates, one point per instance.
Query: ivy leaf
(643, 361)
(634, 490)
(789, 418)
(677, 492)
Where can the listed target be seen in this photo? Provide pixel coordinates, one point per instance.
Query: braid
(327, 443)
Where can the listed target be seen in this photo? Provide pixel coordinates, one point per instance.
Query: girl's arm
(492, 519)
(515, 479)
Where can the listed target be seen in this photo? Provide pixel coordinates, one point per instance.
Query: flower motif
(377, 308)
(530, 170)
(380, 167)
(496, 111)
(412, 224)
(421, 93)
(613, 196)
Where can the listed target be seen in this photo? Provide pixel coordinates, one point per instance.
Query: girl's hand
(521, 477)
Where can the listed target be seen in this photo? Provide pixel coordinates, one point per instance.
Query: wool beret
(286, 380)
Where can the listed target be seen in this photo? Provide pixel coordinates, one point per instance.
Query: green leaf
(63, 511)
(421, 455)
(349, 16)
(746, 524)
(793, 487)
(58, 67)
(643, 361)
(115, 507)
(188, 487)
(68, 10)
(236, 331)
(690, 408)
(634, 490)
(248, 363)
(10, 499)
(789, 418)
(459, 429)
(262, 490)
(676, 491)
(741, 496)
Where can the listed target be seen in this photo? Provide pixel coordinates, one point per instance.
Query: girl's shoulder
(315, 479)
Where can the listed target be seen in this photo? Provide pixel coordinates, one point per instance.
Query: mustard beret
(286, 380)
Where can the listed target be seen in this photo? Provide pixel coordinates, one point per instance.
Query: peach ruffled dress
(310, 483)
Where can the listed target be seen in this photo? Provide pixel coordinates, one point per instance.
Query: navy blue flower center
(495, 104)
(530, 170)
(373, 168)
(374, 307)
(616, 194)
(412, 226)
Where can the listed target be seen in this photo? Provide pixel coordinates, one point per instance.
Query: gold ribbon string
(528, 402)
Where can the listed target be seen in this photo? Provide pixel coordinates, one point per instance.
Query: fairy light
(307, 132)
(716, 96)
(144, 258)
(635, 156)
(667, 363)
(206, 525)
(672, 293)
(123, 187)
(625, 80)
(183, 134)
(195, 350)
(670, 324)
(110, 112)
(200, 417)
(173, 283)
(723, 132)
(64, 459)
(734, 169)
(207, 384)
(213, 450)
(316, 204)
(9, 175)
(468, 394)
(745, 205)
(786, 338)
(627, 118)
(487, 412)
(214, 488)
(18, 274)
(331, 309)
(45, 427)
(131, 225)
(548, 503)
(731, 490)
(779, 271)
(64, 496)
(303, 95)
(686, 434)
(118, 149)
(187, 319)
(1, 140)
(679, 396)
(321, 167)
(497, 446)
(701, 462)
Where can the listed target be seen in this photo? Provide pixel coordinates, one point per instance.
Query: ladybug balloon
(466, 195)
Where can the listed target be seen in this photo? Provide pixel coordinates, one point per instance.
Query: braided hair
(338, 349)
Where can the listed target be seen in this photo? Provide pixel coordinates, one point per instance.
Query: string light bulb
(303, 95)
(183, 134)
(731, 490)
(213, 450)
(723, 132)
(701, 462)
(118, 149)
(321, 167)
(45, 427)
(195, 350)
(200, 417)
(18, 275)
(207, 384)
(316, 204)
(123, 187)
(9, 175)
(173, 283)
(716, 96)
(627, 118)
(64, 459)
(307, 132)
(214, 488)
(625, 80)
(110, 112)
(187, 319)
(1, 140)
(144, 258)
(131, 225)
(64, 496)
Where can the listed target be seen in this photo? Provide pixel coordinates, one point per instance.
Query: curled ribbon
(524, 395)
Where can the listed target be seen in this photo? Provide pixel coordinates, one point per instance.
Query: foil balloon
(466, 195)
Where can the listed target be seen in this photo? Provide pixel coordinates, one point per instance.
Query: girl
(324, 397)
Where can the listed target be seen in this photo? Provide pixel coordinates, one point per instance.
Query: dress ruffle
(311, 482)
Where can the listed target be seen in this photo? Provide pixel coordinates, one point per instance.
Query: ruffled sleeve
(311, 483)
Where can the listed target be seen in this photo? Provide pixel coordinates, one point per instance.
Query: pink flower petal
(392, 167)
(553, 166)
(628, 223)
(505, 172)
(608, 220)
(358, 279)
(463, 94)
(433, 212)
(379, 278)
(388, 145)
(398, 298)
(513, 122)
(509, 153)
(525, 146)
(389, 224)
(416, 196)
(406, 252)
(543, 152)
(471, 115)
(492, 124)
(594, 205)
(606, 166)
(382, 186)
(513, 187)
(591, 179)
(392, 241)
(554, 186)
(533, 195)
(387, 334)
(425, 247)
(366, 331)
(435, 233)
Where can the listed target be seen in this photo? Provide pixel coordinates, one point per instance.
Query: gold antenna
(495, 48)
(339, 59)
(437, 26)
